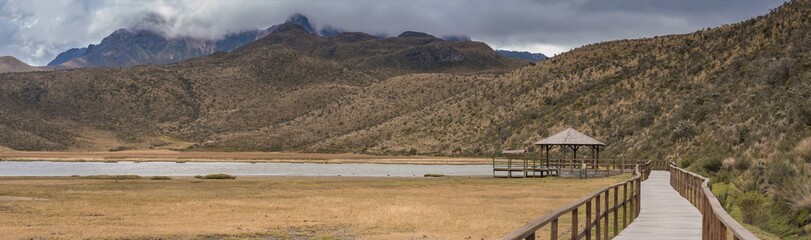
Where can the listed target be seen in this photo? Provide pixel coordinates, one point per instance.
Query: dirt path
(9, 199)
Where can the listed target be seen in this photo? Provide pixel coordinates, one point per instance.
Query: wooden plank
(664, 214)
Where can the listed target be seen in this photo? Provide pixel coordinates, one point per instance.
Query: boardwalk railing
(599, 211)
(535, 167)
(716, 222)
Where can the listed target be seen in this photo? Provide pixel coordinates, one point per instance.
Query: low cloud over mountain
(36, 31)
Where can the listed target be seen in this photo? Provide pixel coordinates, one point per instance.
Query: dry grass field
(283, 207)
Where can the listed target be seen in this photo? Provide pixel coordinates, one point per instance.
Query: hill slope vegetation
(287, 74)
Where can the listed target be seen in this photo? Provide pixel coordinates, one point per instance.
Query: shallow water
(46, 168)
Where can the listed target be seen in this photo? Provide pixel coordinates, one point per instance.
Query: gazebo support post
(573, 140)
(547, 156)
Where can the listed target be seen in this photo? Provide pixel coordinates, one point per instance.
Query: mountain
(286, 75)
(532, 57)
(456, 38)
(11, 64)
(140, 46)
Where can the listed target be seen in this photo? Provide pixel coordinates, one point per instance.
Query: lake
(47, 168)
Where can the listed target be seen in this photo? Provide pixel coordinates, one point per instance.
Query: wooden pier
(511, 167)
(669, 204)
(665, 214)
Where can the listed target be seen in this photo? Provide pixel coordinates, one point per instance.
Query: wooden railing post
(554, 230)
(632, 198)
(616, 210)
(605, 234)
(598, 215)
(638, 197)
(588, 220)
(622, 166)
(574, 224)
(624, 206)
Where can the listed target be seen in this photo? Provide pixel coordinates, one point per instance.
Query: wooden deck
(665, 214)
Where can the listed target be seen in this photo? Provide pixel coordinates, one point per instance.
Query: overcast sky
(35, 31)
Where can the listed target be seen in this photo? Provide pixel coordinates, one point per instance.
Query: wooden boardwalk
(665, 214)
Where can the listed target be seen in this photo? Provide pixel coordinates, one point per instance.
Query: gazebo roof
(569, 137)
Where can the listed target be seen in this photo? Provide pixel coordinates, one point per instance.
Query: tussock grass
(119, 148)
(216, 176)
(803, 149)
(112, 177)
(365, 208)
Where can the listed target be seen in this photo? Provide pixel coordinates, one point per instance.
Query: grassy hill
(277, 79)
(12, 64)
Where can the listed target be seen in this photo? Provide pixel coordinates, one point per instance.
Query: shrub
(751, 204)
(684, 130)
(686, 163)
(798, 195)
(160, 178)
(803, 149)
(119, 148)
(218, 176)
(434, 175)
(743, 164)
(713, 164)
(729, 163)
(113, 177)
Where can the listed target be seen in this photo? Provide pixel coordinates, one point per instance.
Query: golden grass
(371, 208)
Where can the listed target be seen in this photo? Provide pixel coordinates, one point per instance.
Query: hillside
(11, 64)
(287, 74)
(742, 87)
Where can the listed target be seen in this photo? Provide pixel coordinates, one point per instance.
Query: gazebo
(573, 140)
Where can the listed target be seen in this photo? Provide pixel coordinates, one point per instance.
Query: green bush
(160, 178)
(119, 148)
(751, 204)
(743, 164)
(218, 176)
(713, 165)
(113, 177)
(434, 175)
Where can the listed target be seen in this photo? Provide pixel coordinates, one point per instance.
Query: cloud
(36, 30)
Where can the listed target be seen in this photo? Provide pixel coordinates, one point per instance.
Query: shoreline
(234, 157)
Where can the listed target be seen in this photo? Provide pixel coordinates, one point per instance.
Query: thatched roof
(569, 137)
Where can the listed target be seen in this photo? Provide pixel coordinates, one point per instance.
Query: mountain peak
(121, 31)
(416, 34)
(301, 20)
(290, 26)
